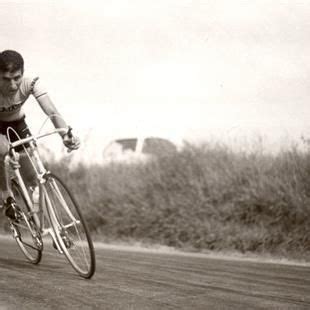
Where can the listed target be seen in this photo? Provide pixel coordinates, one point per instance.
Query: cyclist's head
(11, 61)
(11, 72)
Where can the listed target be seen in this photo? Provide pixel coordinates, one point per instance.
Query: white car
(130, 150)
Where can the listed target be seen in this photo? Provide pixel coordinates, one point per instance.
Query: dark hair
(11, 61)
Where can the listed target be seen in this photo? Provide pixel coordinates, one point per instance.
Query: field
(205, 197)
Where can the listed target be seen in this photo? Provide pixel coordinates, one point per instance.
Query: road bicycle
(56, 212)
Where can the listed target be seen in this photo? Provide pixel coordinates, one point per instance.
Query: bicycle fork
(51, 217)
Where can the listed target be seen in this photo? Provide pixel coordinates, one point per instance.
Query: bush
(203, 197)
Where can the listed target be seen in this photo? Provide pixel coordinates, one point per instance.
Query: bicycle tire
(31, 244)
(69, 226)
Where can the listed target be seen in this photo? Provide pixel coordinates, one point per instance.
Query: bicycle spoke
(69, 227)
(25, 232)
(29, 245)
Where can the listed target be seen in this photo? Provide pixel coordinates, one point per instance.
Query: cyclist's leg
(4, 184)
(27, 170)
(20, 127)
(7, 200)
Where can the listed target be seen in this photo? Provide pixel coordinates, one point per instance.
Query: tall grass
(204, 197)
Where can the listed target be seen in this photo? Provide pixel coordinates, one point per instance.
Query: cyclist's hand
(71, 142)
(14, 162)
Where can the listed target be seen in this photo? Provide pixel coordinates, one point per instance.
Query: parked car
(131, 150)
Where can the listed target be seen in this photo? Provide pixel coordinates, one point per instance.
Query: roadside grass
(205, 197)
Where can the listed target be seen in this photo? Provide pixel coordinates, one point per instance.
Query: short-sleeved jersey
(12, 105)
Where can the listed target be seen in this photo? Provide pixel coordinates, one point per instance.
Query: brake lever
(69, 133)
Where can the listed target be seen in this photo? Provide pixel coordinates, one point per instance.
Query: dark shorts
(19, 126)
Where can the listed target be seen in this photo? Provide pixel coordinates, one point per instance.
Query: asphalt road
(129, 279)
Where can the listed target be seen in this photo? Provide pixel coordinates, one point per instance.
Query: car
(134, 149)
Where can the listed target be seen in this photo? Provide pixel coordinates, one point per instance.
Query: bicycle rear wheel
(69, 226)
(24, 229)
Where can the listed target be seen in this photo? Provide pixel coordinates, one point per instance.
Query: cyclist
(15, 89)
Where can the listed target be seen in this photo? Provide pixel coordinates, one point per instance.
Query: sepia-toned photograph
(155, 154)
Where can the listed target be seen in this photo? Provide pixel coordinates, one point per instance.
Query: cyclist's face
(10, 82)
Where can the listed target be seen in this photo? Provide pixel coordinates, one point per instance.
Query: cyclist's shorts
(19, 126)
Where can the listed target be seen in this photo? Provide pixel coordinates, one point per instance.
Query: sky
(194, 70)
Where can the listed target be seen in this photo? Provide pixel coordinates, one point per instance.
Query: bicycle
(57, 213)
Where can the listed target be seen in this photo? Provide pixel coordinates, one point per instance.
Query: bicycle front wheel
(25, 231)
(69, 226)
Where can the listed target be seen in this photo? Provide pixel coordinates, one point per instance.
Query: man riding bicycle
(15, 89)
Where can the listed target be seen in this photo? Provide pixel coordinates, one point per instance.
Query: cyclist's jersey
(10, 107)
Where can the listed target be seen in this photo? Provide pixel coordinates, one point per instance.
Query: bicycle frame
(43, 215)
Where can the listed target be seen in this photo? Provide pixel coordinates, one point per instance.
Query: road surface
(130, 279)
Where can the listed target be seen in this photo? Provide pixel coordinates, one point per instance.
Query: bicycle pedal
(11, 213)
(11, 209)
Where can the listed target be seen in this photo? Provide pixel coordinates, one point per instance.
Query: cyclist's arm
(49, 109)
